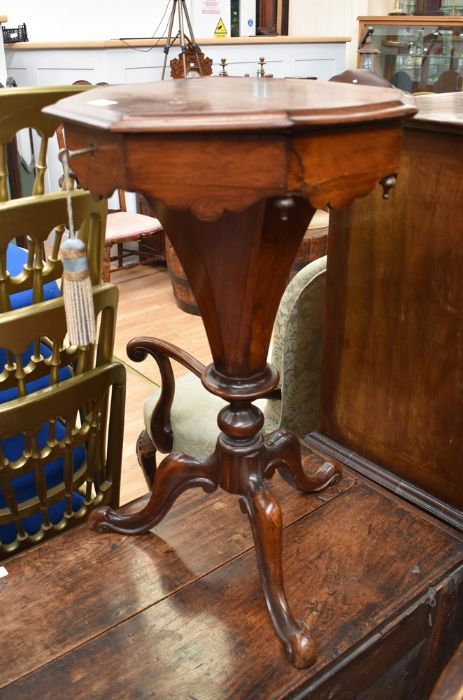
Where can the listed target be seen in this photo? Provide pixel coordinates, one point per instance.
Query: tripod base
(179, 472)
(188, 64)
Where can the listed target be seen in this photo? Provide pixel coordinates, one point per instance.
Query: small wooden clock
(197, 64)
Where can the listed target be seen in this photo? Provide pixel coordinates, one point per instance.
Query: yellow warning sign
(220, 31)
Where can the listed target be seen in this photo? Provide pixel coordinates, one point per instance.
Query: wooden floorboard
(132, 481)
(147, 308)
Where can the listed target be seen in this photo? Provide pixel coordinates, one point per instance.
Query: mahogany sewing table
(235, 170)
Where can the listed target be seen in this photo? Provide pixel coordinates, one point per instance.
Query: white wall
(334, 18)
(58, 20)
(86, 20)
(2, 63)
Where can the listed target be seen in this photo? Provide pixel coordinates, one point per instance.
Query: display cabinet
(417, 53)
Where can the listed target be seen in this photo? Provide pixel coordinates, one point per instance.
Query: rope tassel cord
(77, 293)
(77, 286)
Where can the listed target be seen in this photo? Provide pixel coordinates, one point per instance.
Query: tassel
(77, 286)
(77, 293)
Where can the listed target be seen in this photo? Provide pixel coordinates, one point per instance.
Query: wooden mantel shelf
(134, 43)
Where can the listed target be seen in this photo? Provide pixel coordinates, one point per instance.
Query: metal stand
(185, 41)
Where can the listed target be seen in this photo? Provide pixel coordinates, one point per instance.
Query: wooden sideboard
(392, 388)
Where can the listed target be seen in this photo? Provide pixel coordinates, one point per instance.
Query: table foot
(283, 452)
(264, 514)
(176, 473)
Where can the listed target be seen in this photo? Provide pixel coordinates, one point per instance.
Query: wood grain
(214, 106)
(359, 569)
(393, 366)
(201, 533)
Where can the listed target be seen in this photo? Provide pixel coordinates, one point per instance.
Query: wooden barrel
(184, 297)
(314, 244)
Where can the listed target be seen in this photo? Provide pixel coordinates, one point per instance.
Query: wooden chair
(20, 108)
(449, 81)
(61, 407)
(123, 227)
(171, 413)
(29, 276)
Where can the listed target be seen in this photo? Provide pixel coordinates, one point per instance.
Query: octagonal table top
(232, 104)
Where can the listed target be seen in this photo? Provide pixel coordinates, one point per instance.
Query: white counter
(141, 60)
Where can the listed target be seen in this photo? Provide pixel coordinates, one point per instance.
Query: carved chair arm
(162, 352)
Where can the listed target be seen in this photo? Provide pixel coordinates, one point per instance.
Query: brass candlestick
(223, 73)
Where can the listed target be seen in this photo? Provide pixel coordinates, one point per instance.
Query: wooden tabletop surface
(160, 42)
(439, 109)
(180, 614)
(232, 104)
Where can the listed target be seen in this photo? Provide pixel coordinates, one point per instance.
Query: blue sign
(250, 22)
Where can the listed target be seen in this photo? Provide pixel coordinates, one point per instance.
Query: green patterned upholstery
(295, 352)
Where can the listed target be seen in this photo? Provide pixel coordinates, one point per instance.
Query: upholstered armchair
(171, 413)
(61, 407)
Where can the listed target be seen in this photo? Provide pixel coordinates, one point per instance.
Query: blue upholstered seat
(16, 258)
(24, 486)
(41, 383)
(57, 460)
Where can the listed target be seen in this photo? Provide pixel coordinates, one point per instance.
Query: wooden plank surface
(201, 533)
(354, 567)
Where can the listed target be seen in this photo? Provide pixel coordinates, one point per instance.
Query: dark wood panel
(450, 685)
(392, 387)
(388, 479)
(364, 571)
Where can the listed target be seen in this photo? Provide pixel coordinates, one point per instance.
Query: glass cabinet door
(420, 58)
